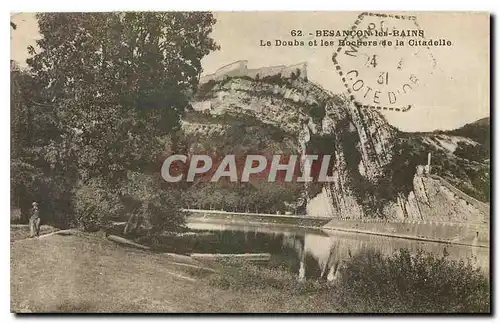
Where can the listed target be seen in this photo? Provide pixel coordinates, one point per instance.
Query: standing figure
(35, 221)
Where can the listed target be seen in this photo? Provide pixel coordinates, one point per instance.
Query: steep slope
(478, 131)
(461, 156)
(375, 166)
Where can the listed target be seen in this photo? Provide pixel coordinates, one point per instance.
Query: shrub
(472, 152)
(370, 282)
(94, 202)
(158, 206)
(274, 79)
(204, 90)
(405, 283)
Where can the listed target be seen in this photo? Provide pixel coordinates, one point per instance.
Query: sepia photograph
(250, 162)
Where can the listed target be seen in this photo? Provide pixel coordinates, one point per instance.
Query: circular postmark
(379, 64)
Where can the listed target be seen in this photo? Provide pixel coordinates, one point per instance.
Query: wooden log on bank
(126, 242)
(227, 256)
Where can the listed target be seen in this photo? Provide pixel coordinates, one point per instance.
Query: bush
(472, 152)
(158, 206)
(204, 90)
(370, 282)
(404, 283)
(94, 202)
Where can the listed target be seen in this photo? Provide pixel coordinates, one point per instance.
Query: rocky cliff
(374, 165)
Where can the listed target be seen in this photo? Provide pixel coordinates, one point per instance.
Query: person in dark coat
(35, 221)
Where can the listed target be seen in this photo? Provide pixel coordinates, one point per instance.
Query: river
(318, 252)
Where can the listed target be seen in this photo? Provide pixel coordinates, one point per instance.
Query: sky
(456, 93)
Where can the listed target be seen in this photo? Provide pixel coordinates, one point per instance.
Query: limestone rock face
(360, 141)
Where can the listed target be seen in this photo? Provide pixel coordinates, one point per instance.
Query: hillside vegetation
(462, 156)
(375, 162)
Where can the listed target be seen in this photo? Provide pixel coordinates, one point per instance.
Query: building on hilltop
(240, 69)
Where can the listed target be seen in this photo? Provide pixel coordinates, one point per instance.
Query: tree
(117, 84)
(24, 173)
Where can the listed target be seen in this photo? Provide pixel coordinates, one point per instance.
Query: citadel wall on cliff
(240, 69)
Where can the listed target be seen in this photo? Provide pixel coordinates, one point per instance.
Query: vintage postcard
(250, 162)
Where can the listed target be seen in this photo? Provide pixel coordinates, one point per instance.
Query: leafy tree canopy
(105, 95)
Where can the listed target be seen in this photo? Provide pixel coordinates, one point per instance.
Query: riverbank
(457, 233)
(255, 218)
(88, 273)
(84, 272)
(464, 234)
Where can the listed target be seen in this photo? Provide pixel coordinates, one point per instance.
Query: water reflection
(317, 253)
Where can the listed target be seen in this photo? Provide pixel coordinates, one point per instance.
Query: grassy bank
(83, 273)
(19, 232)
(370, 282)
(88, 273)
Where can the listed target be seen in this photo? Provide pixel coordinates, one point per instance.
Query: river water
(318, 252)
